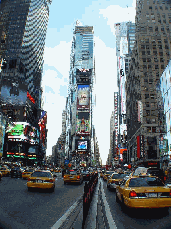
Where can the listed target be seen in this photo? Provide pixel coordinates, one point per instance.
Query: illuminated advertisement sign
(83, 72)
(42, 125)
(13, 93)
(83, 127)
(140, 111)
(116, 117)
(83, 99)
(82, 145)
(22, 131)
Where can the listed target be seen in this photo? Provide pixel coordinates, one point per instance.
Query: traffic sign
(66, 162)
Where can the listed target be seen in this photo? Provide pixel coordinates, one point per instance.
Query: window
(145, 182)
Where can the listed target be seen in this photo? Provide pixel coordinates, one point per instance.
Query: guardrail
(87, 196)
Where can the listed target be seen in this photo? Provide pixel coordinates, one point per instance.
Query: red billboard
(42, 125)
(138, 146)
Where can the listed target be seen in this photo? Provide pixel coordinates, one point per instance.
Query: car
(107, 174)
(73, 176)
(41, 179)
(101, 173)
(16, 172)
(143, 191)
(0, 176)
(27, 173)
(86, 175)
(157, 172)
(5, 171)
(115, 179)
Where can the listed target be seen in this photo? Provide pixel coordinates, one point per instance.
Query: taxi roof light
(132, 194)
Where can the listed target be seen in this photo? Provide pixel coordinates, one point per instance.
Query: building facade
(80, 95)
(23, 26)
(148, 61)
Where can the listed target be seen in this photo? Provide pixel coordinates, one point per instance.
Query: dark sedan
(16, 172)
(86, 175)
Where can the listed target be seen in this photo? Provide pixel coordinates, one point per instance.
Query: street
(137, 219)
(36, 209)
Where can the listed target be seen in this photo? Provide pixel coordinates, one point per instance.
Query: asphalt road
(136, 219)
(21, 209)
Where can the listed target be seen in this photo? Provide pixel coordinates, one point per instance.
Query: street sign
(66, 162)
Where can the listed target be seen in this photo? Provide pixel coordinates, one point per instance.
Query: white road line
(110, 219)
(64, 217)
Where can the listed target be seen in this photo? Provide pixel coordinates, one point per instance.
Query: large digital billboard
(42, 125)
(22, 131)
(82, 145)
(83, 99)
(83, 127)
(14, 93)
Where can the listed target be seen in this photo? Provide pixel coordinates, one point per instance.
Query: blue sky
(102, 15)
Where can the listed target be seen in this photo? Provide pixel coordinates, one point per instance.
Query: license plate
(39, 181)
(152, 195)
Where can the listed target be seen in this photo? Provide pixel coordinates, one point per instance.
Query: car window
(145, 182)
(73, 173)
(115, 176)
(123, 182)
(41, 174)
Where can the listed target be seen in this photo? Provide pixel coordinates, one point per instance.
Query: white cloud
(54, 104)
(106, 85)
(115, 13)
(59, 57)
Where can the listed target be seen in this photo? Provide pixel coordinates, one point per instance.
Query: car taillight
(164, 178)
(87, 175)
(51, 180)
(132, 194)
(28, 179)
(78, 177)
(170, 193)
(64, 176)
(22, 173)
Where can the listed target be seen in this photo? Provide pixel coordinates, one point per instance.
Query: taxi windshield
(41, 174)
(145, 182)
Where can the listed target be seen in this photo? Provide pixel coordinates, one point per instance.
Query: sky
(102, 15)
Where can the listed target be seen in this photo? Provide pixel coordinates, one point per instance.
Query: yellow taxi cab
(27, 173)
(115, 179)
(73, 176)
(107, 174)
(143, 191)
(5, 171)
(41, 179)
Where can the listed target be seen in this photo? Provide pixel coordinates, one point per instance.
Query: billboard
(14, 93)
(42, 125)
(82, 145)
(83, 126)
(22, 131)
(83, 99)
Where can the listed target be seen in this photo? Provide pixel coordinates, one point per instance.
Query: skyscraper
(125, 39)
(149, 59)
(80, 91)
(23, 26)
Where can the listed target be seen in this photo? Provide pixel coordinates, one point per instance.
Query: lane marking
(110, 219)
(59, 223)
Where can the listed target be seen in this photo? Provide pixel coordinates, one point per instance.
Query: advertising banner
(22, 131)
(82, 145)
(13, 93)
(83, 127)
(83, 99)
(2, 133)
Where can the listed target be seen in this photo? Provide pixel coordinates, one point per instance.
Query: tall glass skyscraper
(23, 26)
(80, 91)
